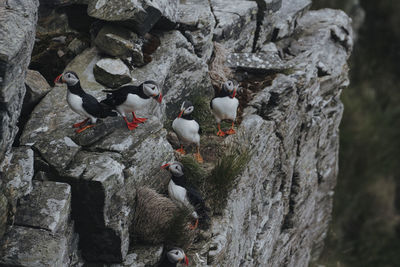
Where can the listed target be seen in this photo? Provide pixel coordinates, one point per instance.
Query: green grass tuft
(178, 233)
(194, 173)
(223, 175)
(202, 113)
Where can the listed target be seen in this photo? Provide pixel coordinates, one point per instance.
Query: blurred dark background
(365, 230)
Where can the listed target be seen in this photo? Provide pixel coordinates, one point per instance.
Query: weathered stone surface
(140, 15)
(142, 256)
(17, 173)
(3, 213)
(17, 35)
(23, 246)
(197, 21)
(36, 87)
(278, 213)
(279, 23)
(100, 209)
(236, 24)
(58, 151)
(256, 62)
(76, 46)
(46, 207)
(111, 72)
(120, 42)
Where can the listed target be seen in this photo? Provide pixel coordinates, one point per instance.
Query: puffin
(184, 194)
(173, 257)
(83, 103)
(187, 129)
(224, 106)
(129, 98)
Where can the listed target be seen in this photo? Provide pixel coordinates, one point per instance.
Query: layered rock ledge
(70, 199)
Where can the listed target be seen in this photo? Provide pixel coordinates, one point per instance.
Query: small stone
(111, 72)
(76, 46)
(120, 42)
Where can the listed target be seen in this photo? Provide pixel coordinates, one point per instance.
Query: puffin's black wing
(195, 197)
(118, 96)
(94, 108)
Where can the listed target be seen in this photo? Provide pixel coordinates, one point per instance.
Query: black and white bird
(224, 106)
(187, 129)
(129, 98)
(82, 103)
(173, 257)
(184, 194)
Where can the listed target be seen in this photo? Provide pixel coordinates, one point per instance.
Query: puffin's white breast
(225, 108)
(75, 103)
(178, 194)
(187, 130)
(132, 103)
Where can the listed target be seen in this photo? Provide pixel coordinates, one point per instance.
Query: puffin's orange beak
(234, 93)
(165, 166)
(180, 114)
(159, 98)
(57, 80)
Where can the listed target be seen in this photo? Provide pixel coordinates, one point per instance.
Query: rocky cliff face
(291, 63)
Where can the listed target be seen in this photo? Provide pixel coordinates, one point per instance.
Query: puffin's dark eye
(176, 253)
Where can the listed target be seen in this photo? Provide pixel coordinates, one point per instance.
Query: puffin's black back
(118, 96)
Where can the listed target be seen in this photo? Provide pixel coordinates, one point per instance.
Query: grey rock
(140, 15)
(197, 21)
(58, 151)
(286, 204)
(120, 42)
(58, 3)
(36, 88)
(236, 24)
(23, 246)
(3, 213)
(46, 207)
(280, 23)
(111, 72)
(17, 173)
(142, 256)
(77, 46)
(101, 211)
(256, 62)
(17, 35)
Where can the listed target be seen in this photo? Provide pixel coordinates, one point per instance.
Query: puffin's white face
(176, 255)
(175, 168)
(229, 86)
(187, 108)
(70, 78)
(150, 89)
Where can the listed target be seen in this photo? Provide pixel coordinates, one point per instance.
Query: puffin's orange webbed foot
(230, 131)
(198, 157)
(181, 151)
(132, 126)
(139, 120)
(220, 133)
(84, 128)
(80, 124)
(193, 227)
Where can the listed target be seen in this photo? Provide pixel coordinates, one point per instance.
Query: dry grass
(157, 219)
(219, 72)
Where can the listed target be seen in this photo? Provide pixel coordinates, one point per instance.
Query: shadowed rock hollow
(69, 199)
